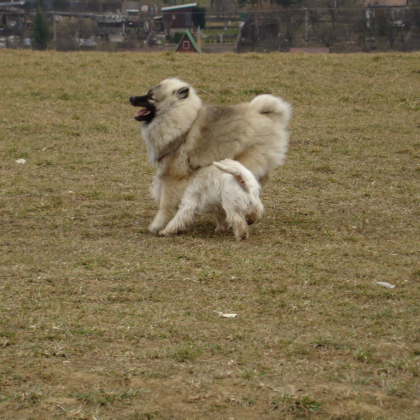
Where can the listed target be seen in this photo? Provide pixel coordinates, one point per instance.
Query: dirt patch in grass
(101, 320)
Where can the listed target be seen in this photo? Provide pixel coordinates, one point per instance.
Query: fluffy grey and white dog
(225, 189)
(183, 135)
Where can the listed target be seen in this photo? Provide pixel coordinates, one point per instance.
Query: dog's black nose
(131, 100)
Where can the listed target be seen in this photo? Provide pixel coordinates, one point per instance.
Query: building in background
(178, 17)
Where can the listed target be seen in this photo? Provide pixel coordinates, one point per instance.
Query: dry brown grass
(101, 320)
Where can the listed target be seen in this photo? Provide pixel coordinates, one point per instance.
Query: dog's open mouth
(147, 113)
(142, 114)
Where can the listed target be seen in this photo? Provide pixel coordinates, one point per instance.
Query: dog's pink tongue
(142, 112)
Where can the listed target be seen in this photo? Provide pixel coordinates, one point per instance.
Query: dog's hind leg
(182, 220)
(221, 222)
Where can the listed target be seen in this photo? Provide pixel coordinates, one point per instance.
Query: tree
(294, 21)
(71, 30)
(365, 26)
(413, 20)
(325, 27)
(40, 32)
(414, 13)
(391, 23)
(286, 3)
(226, 6)
(199, 17)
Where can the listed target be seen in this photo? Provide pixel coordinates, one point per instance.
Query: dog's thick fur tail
(246, 179)
(273, 106)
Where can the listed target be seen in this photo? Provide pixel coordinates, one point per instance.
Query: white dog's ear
(183, 92)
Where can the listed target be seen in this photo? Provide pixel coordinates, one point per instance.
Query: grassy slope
(99, 319)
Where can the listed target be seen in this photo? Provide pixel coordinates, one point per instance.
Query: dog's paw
(155, 229)
(251, 220)
(241, 236)
(163, 232)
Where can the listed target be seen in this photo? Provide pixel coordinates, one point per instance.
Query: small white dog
(226, 189)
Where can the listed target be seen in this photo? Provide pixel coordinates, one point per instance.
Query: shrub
(41, 32)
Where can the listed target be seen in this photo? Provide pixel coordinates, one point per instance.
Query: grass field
(101, 320)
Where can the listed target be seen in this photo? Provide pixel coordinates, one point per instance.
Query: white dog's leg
(241, 230)
(182, 220)
(239, 225)
(221, 222)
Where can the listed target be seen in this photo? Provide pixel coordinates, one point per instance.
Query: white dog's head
(168, 111)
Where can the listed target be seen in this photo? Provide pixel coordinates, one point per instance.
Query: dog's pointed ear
(183, 92)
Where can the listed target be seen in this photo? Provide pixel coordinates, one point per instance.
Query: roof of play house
(192, 40)
(182, 6)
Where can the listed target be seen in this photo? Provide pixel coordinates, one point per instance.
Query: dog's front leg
(239, 225)
(168, 195)
(167, 207)
(182, 220)
(161, 219)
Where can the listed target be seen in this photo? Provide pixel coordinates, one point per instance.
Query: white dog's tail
(273, 107)
(246, 179)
